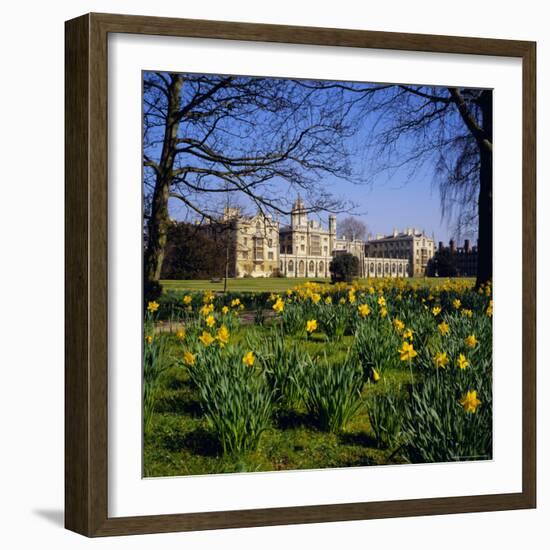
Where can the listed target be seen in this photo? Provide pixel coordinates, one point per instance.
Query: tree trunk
(157, 226)
(485, 201)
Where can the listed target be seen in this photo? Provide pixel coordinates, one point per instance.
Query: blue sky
(383, 205)
(383, 200)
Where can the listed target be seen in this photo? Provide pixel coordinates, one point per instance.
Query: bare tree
(209, 135)
(410, 126)
(352, 228)
(449, 128)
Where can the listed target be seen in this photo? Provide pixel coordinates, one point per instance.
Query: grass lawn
(180, 443)
(275, 284)
(431, 405)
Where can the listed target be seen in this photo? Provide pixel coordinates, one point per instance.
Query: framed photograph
(293, 259)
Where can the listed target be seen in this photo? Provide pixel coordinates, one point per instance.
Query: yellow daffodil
(470, 402)
(398, 325)
(208, 297)
(235, 303)
(189, 358)
(441, 360)
(315, 297)
(351, 296)
(222, 335)
(407, 352)
(328, 300)
(225, 310)
(371, 290)
(489, 310)
(206, 338)
(180, 335)
(152, 307)
(443, 328)
(342, 301)
(408, 334)
(249, 359)
(279, 305)
(289, 292)
(457, 303)
(471, 341)
(375, 375)
(381, 301)
(383, 312)
(207, 309)
(462, 362)
(187, 299)
(210, 321)
(467, 313)
(364, 310)
(148, 338)
(436, 310)
(311, 326)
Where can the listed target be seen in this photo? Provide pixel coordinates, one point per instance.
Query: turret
(298, 214)
(332, 224)
(332, 232)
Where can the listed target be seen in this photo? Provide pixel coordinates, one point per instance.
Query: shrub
(332, 392)
(152, 291)
(344, 267)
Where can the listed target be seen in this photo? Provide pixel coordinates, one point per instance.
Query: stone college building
(262, 247)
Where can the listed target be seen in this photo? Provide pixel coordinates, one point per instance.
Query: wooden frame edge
(86, 487)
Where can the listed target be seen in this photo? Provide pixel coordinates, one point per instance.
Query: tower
(298, 214)
(332, 232)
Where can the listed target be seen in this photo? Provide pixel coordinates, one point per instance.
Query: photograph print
(317, 274)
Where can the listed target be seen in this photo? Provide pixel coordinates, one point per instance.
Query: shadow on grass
(361, 461)
(178, 384)
(198, 441)
(362, 439)
(289, 419)
(179, 404)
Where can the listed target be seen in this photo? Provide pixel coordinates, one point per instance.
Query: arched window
(393, 268)
(379, 269)
(291, 266)
(321, 268)
(371, 267)
(311, 268)
(301, 268)
(386, 268)
(400, 268)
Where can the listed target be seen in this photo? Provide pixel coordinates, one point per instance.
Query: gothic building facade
(304, 248)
